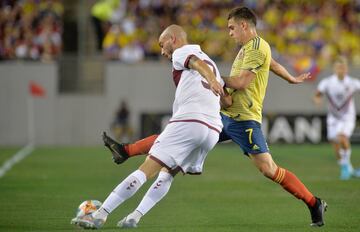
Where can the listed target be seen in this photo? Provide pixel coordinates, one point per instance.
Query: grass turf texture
(42, 192)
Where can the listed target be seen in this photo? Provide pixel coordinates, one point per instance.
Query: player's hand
(216, 88)
(301, 78)
(317, 100)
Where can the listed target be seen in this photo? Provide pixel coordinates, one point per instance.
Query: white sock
(100, 214)
(155, 193)
(124, 190)
(343, 158)
(347, 155)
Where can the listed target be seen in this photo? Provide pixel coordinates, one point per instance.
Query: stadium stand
(308, 34)
(31, 29)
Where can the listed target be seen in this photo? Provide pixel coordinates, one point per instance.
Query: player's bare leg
(150, 167)
(336, 147)
(292, 184)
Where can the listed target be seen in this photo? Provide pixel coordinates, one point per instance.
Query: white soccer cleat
(88, 222)
(74, 221)
(127, 223)
(356, 173)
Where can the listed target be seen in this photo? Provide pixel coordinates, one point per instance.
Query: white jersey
(194, 101)
(340, 96)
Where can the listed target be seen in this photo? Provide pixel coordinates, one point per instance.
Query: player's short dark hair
(243, 13)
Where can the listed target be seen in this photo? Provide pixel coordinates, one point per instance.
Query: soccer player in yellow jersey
(242, 119)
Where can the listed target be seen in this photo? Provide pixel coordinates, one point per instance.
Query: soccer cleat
(356, 173)
(317, 213)
(127, 223)
(88, 222)
(345, 172)
(351, 169)
(119, 154)
(74, 221)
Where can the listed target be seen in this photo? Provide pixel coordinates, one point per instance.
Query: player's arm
(281, 71)
(204, 70)
(241, 81)
(317, 99)
(251, 62)
(225, 100)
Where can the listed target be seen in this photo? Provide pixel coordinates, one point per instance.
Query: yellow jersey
(254, 56)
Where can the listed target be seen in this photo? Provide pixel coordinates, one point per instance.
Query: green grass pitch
(42, 192)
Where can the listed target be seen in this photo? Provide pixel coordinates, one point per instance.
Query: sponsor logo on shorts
(255, 147)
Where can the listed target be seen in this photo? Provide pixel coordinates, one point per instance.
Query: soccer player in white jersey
(191, 133)
(339, 89)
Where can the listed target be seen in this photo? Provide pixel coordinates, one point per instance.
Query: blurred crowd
(31, 29)
(306, 34)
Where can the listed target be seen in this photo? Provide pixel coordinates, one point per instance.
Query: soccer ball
(87, 207)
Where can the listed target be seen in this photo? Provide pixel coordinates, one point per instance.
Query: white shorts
(339, 126)
(184, 145)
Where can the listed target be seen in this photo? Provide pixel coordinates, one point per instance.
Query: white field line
(17, 157)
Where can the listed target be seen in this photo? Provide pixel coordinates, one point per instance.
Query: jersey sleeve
(322, 86)
(222, 82)
(181, 58)
(357, 84)
(253, 59)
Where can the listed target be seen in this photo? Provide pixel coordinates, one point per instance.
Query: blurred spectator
(121, 127)
(48, 38)
(31, 29)
(131, 53)
(103, 13)
(121, 43)
(112, 42)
